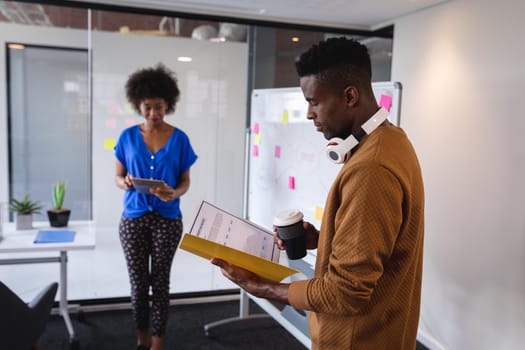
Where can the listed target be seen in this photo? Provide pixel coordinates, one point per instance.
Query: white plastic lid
(287, 217)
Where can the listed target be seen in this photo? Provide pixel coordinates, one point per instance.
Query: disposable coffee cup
(289, 225)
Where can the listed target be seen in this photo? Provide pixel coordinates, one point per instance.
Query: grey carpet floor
(114, 330)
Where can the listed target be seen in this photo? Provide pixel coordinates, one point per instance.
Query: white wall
(462, 68)
(212, 111)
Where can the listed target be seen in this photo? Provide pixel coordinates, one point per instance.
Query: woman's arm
(122, 178)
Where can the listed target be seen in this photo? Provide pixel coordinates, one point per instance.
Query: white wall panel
(461, 66)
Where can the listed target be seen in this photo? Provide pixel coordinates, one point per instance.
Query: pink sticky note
(114, 109)
(256, 128)
(385, 101)
(277, 151)
(255, 151)
(130, 121)
(291, 182)
(111, 123)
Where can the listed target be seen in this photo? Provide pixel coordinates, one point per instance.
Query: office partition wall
(211, 111)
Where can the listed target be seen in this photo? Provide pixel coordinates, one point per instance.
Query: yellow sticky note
(208, 249)
(258, 139)
(110, 144)
(285, 117)
(318, 213)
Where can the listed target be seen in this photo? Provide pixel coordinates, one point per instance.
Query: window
(49, 126)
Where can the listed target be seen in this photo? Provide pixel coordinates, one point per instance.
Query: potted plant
(58, 216)
(24, 210)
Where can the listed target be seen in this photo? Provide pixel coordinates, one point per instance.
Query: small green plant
(25, 206)
(59, 191)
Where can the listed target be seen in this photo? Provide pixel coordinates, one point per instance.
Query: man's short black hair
(338, 61)
(155, 82)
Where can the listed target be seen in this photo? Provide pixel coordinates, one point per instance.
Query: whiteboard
(288, 168)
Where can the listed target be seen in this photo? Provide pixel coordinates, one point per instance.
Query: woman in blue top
(151, 223)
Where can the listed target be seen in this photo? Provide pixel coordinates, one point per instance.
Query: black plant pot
(58, 218)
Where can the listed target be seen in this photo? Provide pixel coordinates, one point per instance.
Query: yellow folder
(260, 266)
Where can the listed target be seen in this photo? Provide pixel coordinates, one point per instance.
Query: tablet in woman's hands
(143, 185)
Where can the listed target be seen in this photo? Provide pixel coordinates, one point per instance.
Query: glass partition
(49, 126)
(212, 77)
(45, 123)
(217, 63)
(276, 49)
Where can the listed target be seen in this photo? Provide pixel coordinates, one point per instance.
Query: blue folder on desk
(54, 236)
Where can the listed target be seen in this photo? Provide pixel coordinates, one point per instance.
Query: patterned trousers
(149, 243)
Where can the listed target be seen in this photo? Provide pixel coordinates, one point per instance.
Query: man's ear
(351, 95)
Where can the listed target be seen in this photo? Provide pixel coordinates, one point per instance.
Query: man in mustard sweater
(365, 293)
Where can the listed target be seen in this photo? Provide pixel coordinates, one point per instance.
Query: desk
(22, 242)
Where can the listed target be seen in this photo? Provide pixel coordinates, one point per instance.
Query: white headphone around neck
(338, 150)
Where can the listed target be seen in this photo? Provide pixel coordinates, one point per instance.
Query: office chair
(22, 324)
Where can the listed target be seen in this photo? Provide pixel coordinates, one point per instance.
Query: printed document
(217, 233)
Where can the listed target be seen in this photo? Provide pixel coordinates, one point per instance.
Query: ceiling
(356, 14)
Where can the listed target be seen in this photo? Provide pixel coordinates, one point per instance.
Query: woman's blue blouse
(168, 164)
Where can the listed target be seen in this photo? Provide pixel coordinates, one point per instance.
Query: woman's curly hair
(155, 82)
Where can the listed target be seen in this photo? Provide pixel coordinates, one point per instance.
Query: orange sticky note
(109, 144)
(318, 213)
